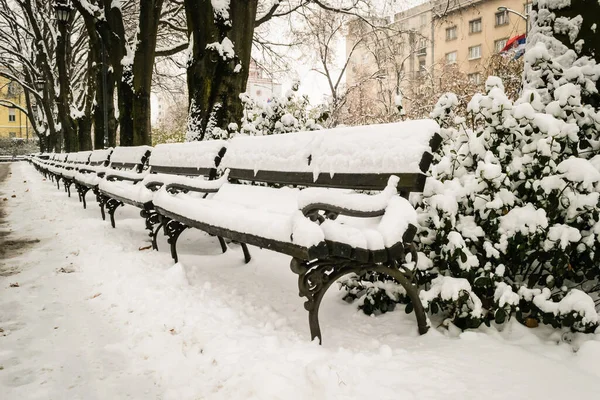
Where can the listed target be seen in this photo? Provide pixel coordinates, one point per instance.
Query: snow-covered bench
(125, 163)
(67, 171)
(86, 177)
(53, 167)
(187, 164)
(329, 229)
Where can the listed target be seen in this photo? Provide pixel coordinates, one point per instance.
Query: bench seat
(259, 215)
(135, 194)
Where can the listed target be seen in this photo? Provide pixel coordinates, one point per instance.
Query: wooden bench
(69, 169)
(50, 166)
(86, 178)
(328, 229)
(187, 164)
(126, 162)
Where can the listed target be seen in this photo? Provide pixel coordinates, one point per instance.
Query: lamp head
(63, 11)
(502, 8)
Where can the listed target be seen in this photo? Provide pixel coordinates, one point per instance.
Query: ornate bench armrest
(175, 183)
(335, 201)
(114, 175)
(92, 169)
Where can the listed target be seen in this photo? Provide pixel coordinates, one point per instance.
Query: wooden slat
(187, 171)
(408, 182)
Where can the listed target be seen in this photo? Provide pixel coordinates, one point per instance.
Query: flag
(514, 42)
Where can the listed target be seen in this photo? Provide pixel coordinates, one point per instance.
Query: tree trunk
(84, 134)
(215, 79)
(125, 92)
(105, 122)
(63, 100)
(143, 65)
(122, 73)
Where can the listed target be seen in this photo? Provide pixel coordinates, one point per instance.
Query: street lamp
(63, 11)
(524, 16)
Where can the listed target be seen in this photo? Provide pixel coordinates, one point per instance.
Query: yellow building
(470, 31)
(13, 122)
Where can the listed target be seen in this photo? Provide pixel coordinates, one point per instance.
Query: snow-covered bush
(288, 113)
(512, 202)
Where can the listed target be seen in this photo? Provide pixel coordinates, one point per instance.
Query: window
(451, 57)
(12, 90)
(12, 116)
(501, 18)
(499, 45)
(474, 52)
(451, 33)
(475, 26)
(422, 47)
(475, 78)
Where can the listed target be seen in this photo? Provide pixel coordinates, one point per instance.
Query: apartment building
(13, 122)
(423, 40)
(468, 32)
(384, 61)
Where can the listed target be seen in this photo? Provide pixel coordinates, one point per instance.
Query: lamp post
(104, 91)
(64, 12)
(524, 16)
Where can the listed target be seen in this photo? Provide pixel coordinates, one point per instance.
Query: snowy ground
(95, 317)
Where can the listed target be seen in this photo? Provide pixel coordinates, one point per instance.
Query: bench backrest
(133, 158)
(361, 157)
(80, 157)
(100, 157)
(190, 159)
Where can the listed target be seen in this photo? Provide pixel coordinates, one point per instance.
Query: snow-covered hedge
(511, 210)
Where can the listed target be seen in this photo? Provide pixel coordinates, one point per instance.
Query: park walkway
(91, 314)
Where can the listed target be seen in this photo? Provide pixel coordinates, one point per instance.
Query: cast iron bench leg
(101, 201)
(111, 206)
(173, 229)
(152, 219)
(83, 191)
(247, 256)
(222, 243)
(315, 277)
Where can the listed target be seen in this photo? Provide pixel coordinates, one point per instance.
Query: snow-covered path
(95, 317)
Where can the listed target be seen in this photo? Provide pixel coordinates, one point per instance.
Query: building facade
(261, 86)
(419, 45)
(469, 32)
(13, 122)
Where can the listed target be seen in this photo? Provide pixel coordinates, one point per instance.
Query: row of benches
(299, 194)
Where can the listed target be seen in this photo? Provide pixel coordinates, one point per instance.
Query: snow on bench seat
(275, 214)
(268, 213)
(137, 193)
